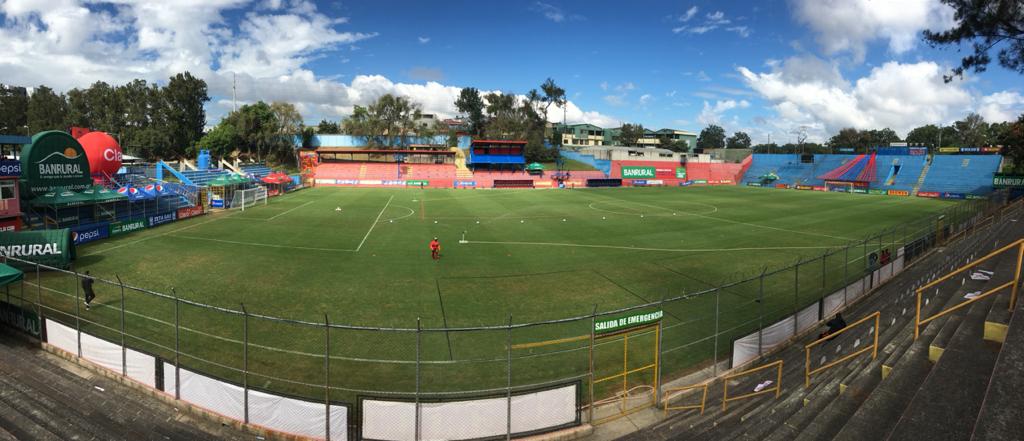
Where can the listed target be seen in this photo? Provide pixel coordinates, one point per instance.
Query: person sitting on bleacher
(834, 326)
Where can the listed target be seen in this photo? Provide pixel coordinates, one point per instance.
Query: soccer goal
(243, 199)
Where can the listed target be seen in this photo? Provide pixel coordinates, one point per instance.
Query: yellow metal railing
(1013, 284)
(873, 348)
(626, 371)
(671, 393)
(777, 389)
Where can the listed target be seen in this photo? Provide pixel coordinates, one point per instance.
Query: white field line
(216, 217)
(411, 212)
(259, 244)
(672, 250)
(740, 222)
(289, 211)
(374, 224)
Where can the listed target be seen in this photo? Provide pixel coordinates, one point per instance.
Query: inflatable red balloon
(103, 152)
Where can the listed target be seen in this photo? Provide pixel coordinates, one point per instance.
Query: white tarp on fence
(746, 348)
(101, 352)
(294, 416)
(61, 336)
(806, 318)
(833, 303)
(217, 396)
(141, 367)
(469, 419)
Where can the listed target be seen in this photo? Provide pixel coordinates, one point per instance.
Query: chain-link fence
(333, 380)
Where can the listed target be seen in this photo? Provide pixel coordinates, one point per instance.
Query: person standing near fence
(87, 282)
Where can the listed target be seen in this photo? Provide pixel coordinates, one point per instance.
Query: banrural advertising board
(54, 162)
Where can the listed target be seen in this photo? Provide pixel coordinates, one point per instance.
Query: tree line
(148, 120)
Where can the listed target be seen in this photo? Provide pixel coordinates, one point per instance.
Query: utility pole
(234, 84)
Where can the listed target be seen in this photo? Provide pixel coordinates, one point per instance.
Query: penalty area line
(374, 224)
(619, 247)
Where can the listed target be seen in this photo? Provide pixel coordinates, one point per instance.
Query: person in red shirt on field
(435, 249)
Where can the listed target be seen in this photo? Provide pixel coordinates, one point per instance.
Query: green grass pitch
(360, 256)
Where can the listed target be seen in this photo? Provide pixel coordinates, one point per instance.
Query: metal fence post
(718, 298)
(124, 349)
(327, 377)
(796, 294)
(659, 360)
(508, 392)
(760, 315)
(78, 314)
(39, 305)
(846, 275)
(593, 325)
(177, 347)
(419, 332)
(245, 363)
(824, 275)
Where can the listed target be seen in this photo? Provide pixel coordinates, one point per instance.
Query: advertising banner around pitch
(1008, 181)
(54, 162)
(19, 318)
(753, 184)
(873, 191)
(127, 226)
(629, 321)
(187, 212)
(9, 168)
(88, 233)
(664, 172)
(631, 172)
(680, 172)
(9, 225)
(928, 194)
(161, 219)
(948, 195)
(416, 183)
(47, 247)
(804, 187)
(898, 193)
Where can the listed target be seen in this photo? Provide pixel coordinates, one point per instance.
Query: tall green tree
(46, 110)
(13, 110)
(1013, 150)
(972, 131)
(184, 97)
(739, 140)
(987, 25)
(629, 134)
(328, 127)
(711, 137)
(472, 105)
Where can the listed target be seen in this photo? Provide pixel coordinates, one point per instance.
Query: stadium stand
(201, 177)
(947, 173)
(605, 166)
(972, 388)
(428, 171)
(47, 398)
(258, 170)
(970, 174)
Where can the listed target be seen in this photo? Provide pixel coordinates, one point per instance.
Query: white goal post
(243, 199)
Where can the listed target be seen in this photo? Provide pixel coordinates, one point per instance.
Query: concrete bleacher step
(953, 391)
(1001, 413)
(879, 412)
(997, 320)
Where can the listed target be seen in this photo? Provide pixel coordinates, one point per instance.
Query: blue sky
(770, 68)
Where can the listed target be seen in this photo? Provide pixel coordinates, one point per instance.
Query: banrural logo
(637, 172)
(55, 162)
(30, 250)
(127, 226)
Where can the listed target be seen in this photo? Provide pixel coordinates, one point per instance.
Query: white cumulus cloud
(849, 25)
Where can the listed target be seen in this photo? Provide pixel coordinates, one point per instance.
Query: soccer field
(360, 258)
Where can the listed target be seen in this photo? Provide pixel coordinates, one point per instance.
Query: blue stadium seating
(201, 177)
(948, 173)
(258, 170)
(961, 173)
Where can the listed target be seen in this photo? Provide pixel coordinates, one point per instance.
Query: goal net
(243, 199)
